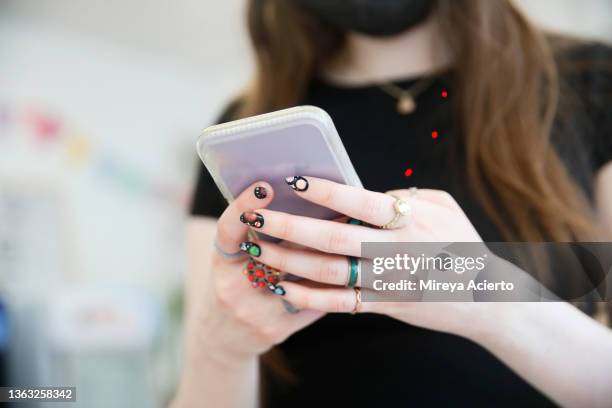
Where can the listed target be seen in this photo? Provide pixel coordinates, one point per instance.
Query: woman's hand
(434, 217)
(234, 323)
(236, 320)
(228, 322)
(531, 338)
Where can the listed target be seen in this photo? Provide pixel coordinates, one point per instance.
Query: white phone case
(299, 141)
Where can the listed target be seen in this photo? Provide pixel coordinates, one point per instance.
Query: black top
(373, 361)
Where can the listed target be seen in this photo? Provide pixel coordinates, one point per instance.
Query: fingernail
(290, 308)
(250, 248)
(298, 183)
(277, 290)
(252, 219)
(261, 275)
(261, 192)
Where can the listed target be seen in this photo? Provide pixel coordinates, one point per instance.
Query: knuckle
(285, 228)
(282, 263)
(303, 301)
(328, 195)
(370, 208)
(334, 241)
(341, 304)
(327, 271)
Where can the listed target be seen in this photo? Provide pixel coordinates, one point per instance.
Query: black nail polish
(298, 183)
(261, 192)
(252, 219)
(250, 248)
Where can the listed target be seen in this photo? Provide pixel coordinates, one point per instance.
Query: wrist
(206, 345)
(495, 318)
(216, 357)
(210, 375)
(495, 321)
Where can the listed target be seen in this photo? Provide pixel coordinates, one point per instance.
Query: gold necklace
(406, 98)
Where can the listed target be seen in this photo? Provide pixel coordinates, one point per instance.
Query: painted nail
(298, 183)
(250, 248)
(261, 192)
(261, 275)
(277, 290)
(252, 219)
(290, 308)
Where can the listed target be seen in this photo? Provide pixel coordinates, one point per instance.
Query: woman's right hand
(232, 321)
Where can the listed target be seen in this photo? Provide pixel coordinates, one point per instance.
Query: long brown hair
(513, 169)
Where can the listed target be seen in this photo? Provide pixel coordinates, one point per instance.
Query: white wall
(589, 18)
(137, 81)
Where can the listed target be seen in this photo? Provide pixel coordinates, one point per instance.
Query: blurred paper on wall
(101, 340)
(33, 261)
(33, 237)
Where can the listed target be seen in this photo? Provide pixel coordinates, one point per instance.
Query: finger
(329, 300)
(326, 236)
(427, 196)
(315, 266)
(262, 308)
(367, 206)
(230, 231)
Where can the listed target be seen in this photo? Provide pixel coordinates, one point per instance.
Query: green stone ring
(353, 272)
(353, 262)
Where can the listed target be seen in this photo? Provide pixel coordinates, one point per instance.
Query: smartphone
(299, 141)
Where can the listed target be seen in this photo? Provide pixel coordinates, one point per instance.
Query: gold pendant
(406, 104)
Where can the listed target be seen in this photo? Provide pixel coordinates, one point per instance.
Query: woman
(506, 133)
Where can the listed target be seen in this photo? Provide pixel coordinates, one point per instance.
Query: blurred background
(101, 102)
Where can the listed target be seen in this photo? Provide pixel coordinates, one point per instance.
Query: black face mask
(370, 17)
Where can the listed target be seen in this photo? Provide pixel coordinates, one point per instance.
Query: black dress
(373, 361)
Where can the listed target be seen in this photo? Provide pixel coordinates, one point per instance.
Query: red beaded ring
(261, 275)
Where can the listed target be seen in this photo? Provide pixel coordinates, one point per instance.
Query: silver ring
(227, 255)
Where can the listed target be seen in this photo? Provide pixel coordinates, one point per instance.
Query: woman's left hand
(434, 217)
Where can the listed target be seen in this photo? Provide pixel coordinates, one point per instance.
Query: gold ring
(401, 209)
(357, 307)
